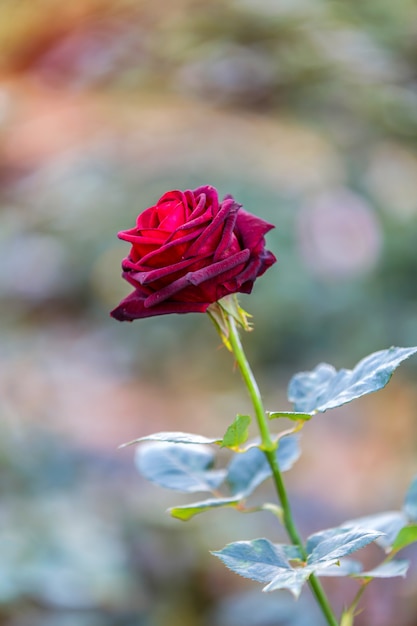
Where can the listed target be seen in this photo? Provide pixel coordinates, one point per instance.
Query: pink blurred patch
(339, 235)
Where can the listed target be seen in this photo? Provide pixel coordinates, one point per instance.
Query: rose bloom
(190, 250)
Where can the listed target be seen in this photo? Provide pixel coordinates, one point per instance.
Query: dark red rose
(190, 250)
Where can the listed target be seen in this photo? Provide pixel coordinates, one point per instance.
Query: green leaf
(291, 579)
(345, 567)
(173, 437)
(237, 433)
(410, 505)
(184, 467)
(269, 563)
(295, 416)
(328, 546)
(405, 537)
(388, 523)
(325, 388)
(259, 559)
(264, 562)
(292, 553)
(188, 511)
(390, 569)
(294, 578)
(288, 452)
(248, 470)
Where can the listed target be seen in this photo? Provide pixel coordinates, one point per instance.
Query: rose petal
(171, 251)
(171, 215)
(132, 308)
(196, 278)
(192, 224)
(218, 221)
(147, 219)
(224, 245)
(251, 229)
(216, 269)
(211, 197)
(144, 278)
(257, 266)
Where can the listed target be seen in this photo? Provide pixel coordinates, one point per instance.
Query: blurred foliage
(305, 110)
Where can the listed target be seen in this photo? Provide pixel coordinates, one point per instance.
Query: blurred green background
(304, 110)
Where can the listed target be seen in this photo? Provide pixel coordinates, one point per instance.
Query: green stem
(350, 612)
(269, 447)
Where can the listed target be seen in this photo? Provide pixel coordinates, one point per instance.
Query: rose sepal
(219, 312)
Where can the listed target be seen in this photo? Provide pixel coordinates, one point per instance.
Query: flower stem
(269, 448)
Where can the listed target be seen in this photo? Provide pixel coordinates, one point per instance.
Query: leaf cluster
(186, 462)
(284, 567)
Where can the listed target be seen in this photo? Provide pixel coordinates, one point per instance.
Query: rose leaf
(326, 388)
(237, 433)
(188, 511)
(389, 569)
(295, 416)
(183, 467)
(248, 470)
(405, 537)
(328, 546)
(388, 523)
(173, 437)
(264, 562)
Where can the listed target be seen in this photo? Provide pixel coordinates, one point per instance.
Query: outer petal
(251, 229)
(132, 308)
(151, 276)
(210, 273)
(170, 252)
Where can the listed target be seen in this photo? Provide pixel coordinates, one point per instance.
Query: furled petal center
(171, 215)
